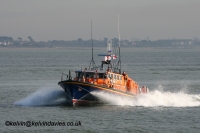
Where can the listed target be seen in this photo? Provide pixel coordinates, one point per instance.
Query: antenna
(119, 62)
(92, 60)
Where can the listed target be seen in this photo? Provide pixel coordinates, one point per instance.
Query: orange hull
(113, 80)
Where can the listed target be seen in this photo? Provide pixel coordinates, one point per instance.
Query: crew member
(125, 77)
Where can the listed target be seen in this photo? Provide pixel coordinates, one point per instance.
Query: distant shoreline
(46, 48)
(89, 48)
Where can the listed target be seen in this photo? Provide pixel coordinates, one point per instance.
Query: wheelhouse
(90, 74)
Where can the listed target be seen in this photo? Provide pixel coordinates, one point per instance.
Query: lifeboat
(106, 78)
(79, 88)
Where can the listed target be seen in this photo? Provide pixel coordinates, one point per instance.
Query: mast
(92, 60)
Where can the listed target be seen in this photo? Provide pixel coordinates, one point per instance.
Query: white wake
(54, 96)
(153, 99)
(43, 97)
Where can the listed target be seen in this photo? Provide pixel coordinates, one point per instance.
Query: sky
(46, 20)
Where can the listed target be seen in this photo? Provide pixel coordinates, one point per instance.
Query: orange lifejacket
(125, 76)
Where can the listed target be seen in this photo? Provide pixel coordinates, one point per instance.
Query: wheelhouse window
(117, 77)
(78, 74)
(102, 75)
(91, 75)
(111, 76)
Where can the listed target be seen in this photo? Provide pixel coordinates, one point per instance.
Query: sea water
(29, 91)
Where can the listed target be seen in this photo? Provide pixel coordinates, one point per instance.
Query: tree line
(10, 42)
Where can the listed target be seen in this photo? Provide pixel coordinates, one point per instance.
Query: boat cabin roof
(90, 71)
(98, 72)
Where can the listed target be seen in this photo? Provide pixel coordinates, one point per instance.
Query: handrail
(63, 74)
(68, 76)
